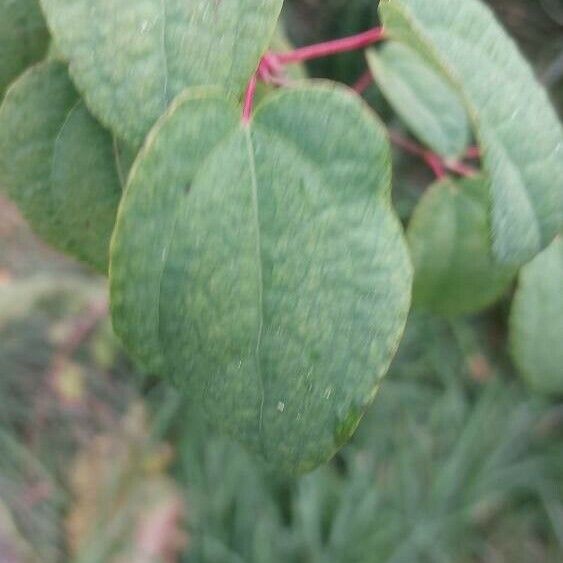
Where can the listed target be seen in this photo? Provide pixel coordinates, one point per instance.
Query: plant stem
(335, 47)
(249, 99)
(473, 152)
(438, 165)
(363, 83)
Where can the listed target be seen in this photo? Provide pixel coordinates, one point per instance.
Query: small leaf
(449, 240)
(519, 133)
(424, 100)
(272, 281)
(59, 165)
(536, 323)
(130, 59)
(24, 38)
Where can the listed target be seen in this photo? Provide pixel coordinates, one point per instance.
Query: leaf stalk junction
(271, 71)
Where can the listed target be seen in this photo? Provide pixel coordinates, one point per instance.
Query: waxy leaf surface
(261, 267)
(423, 99)
(448, 235)
(517, 128)
(59, 165)
(130, 58)
(536, 323)
(23, 38)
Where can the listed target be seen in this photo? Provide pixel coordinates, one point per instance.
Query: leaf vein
(165, 54)
(254, 181)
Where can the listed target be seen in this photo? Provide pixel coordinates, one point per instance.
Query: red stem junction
(270, 70)
(271, 66)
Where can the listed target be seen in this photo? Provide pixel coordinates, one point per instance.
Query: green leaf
(23, 38)
(424, 100)
(263, 270)
(59, 165)
(130, 59)
(536, 323)
(455, 272)
(518, 130)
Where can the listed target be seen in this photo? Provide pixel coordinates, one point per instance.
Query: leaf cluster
(255, 259)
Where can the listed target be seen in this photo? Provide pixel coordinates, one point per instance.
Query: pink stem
(335, 47)
(437, 164)
(249, 99)
(363, 83)
(406, 144)
(473, 152)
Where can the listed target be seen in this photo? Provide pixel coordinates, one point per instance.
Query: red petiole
(363, 83)
(360, 41)
(249, 99)
(270, 70)
(440, 166)
(271, 66)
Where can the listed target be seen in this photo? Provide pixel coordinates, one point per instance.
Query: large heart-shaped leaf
(261, 266)
(536, 323)
(23, 38)
(130, 59)
(450, 246)
(422, 98)
(518, 130)
(59, 165)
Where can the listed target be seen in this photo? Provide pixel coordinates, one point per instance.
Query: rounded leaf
(59, 165)
(536, 323)
(24, 38)
(131, 58)
(422, 98)
(276, 284)
(448, 235)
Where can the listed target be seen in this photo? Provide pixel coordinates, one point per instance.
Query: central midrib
(260, 280)
(164, 53)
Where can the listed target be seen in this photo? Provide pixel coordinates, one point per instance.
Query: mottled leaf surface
(422, 98)
(130, 58)
(24, 38)
(448, 235)
(162, 177)
(518, 130)
(59, 165)
(271, 279)
(536, 324)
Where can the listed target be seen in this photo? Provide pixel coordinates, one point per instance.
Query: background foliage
(456, 461)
